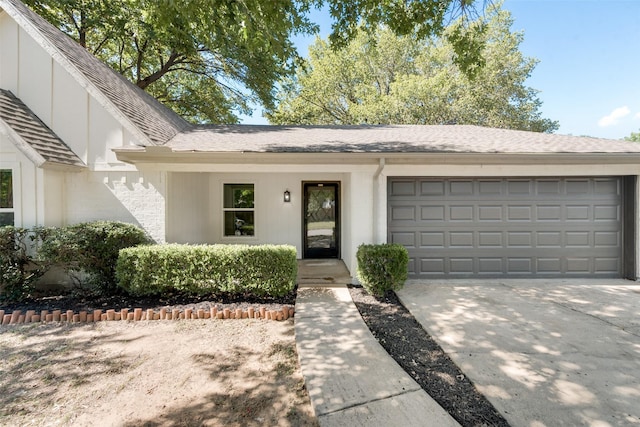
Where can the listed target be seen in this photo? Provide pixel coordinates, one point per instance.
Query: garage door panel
(461, 213)
(403, 188)
(432, 188)
(491, 266)
(403, 213)
(490, 239)
(432, 213)
(578, 213)
(607, 265)
(510, 227)
(406, 239)
(432, 266)
(606, 213)
(432, 239)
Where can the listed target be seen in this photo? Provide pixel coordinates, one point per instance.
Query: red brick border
(138, 314)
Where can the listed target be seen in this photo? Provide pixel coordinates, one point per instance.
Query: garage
(508, 227)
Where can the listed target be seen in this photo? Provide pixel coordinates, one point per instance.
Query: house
(78, 143)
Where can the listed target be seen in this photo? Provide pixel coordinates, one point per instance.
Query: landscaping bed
(423, 359)
(226, 305)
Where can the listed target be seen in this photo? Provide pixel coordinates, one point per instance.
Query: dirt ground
(161, 373)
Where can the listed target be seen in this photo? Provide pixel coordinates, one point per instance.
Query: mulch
(79, 301)
(422, 358)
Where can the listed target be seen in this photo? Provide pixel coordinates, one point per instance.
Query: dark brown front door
(321, 220)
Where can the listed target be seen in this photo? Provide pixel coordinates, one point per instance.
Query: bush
(18, 271)
(91, 248)
(382, 267)
(206, 269)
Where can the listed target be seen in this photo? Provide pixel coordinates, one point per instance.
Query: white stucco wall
(195, 208)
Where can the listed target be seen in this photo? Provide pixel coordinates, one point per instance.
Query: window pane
(6, 218)
(6, 189)
(238, 223)
(238, 196)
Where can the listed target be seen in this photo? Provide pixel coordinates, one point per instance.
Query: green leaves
(383, 78)
(635, 136)
(208, 269)
(382, 268)
(209, 60)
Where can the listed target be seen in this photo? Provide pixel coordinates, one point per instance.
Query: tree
(635, 137)
(211, 59)
(383, 78)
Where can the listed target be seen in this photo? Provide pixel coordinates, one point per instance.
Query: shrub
(18, 271)
(205, 269)
(382, 267)
(91, 248)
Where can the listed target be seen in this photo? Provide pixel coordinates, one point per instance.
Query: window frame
(14, 199)
(234, 209)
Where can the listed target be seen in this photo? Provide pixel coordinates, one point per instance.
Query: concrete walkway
(351, 379)
(545, 353)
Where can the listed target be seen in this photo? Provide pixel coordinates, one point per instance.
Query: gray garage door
(508, 227)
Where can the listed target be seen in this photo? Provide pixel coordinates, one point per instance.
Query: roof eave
(141, 155)
(32, 154)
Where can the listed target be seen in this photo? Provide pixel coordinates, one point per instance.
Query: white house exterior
(81, 143)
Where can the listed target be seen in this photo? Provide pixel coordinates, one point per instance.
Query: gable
(143, 116)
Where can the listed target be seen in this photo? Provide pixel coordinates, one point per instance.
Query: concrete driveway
(545, 353)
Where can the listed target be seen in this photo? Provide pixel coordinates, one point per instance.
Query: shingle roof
(387, 139)
(32, 131)
(146, 114)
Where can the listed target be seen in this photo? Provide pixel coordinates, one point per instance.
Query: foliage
(91, 248)
(210, 59)
(382, 78)
(18, 271)
(206, 269)
(635, 137)
(382, 267)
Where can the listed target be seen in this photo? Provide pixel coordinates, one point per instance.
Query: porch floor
(322, 273)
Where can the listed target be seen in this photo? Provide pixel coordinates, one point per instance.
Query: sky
(588, 75)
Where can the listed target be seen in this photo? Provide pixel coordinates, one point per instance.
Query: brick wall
(133, 197)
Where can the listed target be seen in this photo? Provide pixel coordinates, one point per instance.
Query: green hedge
(205, 269)
(18, 269)
(382, 267)
(91, 248)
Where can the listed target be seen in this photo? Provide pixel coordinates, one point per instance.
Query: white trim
(16, 184)
(223, 210)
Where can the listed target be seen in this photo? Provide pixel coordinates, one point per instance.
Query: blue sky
(589, 70)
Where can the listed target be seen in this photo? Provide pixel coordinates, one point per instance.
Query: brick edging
(138, 314)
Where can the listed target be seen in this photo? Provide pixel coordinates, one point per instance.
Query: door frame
(338, 217)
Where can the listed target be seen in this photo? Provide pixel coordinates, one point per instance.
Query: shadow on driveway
(545, 353)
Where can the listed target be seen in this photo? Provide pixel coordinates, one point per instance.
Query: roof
(143, 115)
(387, 139)
(162, 127)
(32, 136)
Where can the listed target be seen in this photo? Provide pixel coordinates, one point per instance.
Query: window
(6, 197)
(239, 210)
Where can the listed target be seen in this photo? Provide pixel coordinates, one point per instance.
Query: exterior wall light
(287, 196)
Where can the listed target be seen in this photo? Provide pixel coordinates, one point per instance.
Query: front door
(321, 220)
